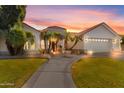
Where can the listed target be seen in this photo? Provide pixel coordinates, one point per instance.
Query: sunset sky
(75, 18)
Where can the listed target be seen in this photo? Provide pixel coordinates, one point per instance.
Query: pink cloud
(77, 20)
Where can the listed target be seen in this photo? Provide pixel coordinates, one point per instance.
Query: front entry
(54, 46)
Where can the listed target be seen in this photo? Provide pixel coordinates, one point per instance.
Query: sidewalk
(54, 74)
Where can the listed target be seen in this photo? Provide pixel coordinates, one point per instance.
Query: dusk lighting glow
(75, 18)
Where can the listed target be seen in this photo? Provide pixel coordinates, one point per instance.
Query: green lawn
(98, 73)
(15, 72)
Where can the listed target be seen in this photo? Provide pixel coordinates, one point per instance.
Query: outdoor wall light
(90, 52)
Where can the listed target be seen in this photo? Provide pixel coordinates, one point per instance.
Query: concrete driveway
(114, 55)
(54, 74)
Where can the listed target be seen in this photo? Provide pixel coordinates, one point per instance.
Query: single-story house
(99, 38)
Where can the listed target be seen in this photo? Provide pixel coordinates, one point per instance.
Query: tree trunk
(45, 45)
(49, 47)
(56, 44)
(76, 41)
(14, 50)
(66, 44)
(20, 50)
(10, 48)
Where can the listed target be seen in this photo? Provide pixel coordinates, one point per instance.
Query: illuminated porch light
(90, 52)
(54, 53)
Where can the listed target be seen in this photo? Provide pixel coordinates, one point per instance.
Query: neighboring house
(28, 47)
(99, 38)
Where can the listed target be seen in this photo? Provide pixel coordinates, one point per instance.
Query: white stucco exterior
(100, 38)
(27, 47)
(36, 33)
(3, 47)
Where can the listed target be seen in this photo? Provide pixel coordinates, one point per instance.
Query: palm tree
(48, 37)
(58, 37)
(53, 38)
(67, 38)
(76, 40)
(72, 38)
(45, 37)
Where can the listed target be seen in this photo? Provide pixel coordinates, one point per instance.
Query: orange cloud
(77, 20)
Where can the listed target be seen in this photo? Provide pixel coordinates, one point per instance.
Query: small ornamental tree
(11, 19)
(15, 41)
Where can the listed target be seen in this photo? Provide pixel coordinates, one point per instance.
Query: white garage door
(99, 45)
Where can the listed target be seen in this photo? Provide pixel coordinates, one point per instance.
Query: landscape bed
(98, 73)
(15, 72)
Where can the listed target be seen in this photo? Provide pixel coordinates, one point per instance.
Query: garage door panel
(99, 46)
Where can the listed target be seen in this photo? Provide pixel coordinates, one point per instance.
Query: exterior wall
(100, 46)
(37, 42)
(62, 44)
(100, 32)
(3, 47)
(116, 45)
(34, 47)
(79, 45)
(43, 44)
(99, 39)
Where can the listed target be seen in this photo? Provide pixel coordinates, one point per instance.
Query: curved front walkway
(56, 73)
